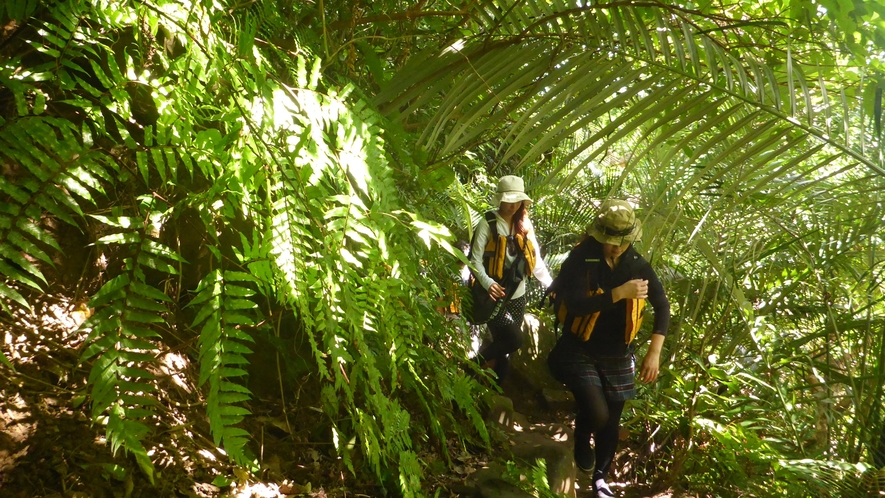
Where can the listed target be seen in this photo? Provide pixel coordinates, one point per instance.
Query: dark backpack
(553, 298)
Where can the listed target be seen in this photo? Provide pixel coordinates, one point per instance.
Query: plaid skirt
(573, 366)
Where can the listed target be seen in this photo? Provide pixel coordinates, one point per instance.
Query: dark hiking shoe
(601, 489)
(584, 458)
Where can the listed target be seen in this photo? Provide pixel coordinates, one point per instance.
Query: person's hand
(631, 289)
(496, 291)
(650, 367)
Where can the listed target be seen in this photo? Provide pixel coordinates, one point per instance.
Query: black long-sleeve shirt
(585, 270)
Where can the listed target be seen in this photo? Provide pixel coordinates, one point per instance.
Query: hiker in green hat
(599, 297)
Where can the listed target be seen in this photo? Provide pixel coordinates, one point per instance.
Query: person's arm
(541, 272)
(658, 299)
(651, 364)
(483, 232)
(480, 239)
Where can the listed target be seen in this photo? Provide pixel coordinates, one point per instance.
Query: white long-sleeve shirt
(481, 238)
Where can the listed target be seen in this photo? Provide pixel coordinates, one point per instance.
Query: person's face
(508, 209)
(612, 251)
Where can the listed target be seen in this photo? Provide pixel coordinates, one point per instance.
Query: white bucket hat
(511, 189)
(615, 224)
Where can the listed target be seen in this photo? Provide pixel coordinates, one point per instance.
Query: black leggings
(506, 329)
(600, 417)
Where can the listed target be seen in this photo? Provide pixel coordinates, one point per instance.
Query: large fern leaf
(224, 309)
(54, 174)
(122, 343)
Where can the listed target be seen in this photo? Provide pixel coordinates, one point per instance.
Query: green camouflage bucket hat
(615, 224)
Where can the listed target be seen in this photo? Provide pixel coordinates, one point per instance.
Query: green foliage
(18, 10)
(122, 343)
(672, 65)
(758, 175)
(27, 139)
(222, 180)
(533, 479)
(225, 310)
(229, 176)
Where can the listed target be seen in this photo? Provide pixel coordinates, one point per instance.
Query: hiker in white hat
(599, 296)
(505, 253)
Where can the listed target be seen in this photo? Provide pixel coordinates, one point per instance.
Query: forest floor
(49, 447)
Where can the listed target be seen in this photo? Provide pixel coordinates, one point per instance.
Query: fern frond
(225, 308)
(119, 337)
(18, 10)
(57, 174)
(122, 342)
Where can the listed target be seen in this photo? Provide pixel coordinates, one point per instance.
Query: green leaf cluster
(224, 182)
(234, 164)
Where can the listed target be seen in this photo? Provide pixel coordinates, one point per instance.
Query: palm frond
(562, 77)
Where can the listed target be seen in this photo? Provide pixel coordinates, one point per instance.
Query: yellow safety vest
(582, 326)
(495, 254)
